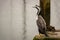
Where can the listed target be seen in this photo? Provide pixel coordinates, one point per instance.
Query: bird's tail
(46, 35)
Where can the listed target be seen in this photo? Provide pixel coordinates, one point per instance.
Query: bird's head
(38, 9)
(36, 6)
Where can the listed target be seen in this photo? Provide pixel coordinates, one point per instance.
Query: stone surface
(52, 36)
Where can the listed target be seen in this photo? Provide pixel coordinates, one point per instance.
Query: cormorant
(41, 22)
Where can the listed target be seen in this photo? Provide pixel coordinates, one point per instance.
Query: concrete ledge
(46, 38)
(52, 36)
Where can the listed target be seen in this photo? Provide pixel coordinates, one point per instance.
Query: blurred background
(18, 18)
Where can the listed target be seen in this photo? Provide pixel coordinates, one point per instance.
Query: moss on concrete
(46, 38)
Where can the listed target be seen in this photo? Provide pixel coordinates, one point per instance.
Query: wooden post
(45, 10)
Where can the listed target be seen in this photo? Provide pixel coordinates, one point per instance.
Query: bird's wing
(41, 19)
(39, 24)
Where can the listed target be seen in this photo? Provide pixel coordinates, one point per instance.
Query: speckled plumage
(41, 25)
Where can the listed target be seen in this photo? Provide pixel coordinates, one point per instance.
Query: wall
(5, 19)
(55, 13)
(12, 19)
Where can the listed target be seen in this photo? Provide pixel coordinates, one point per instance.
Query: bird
(41, 22)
